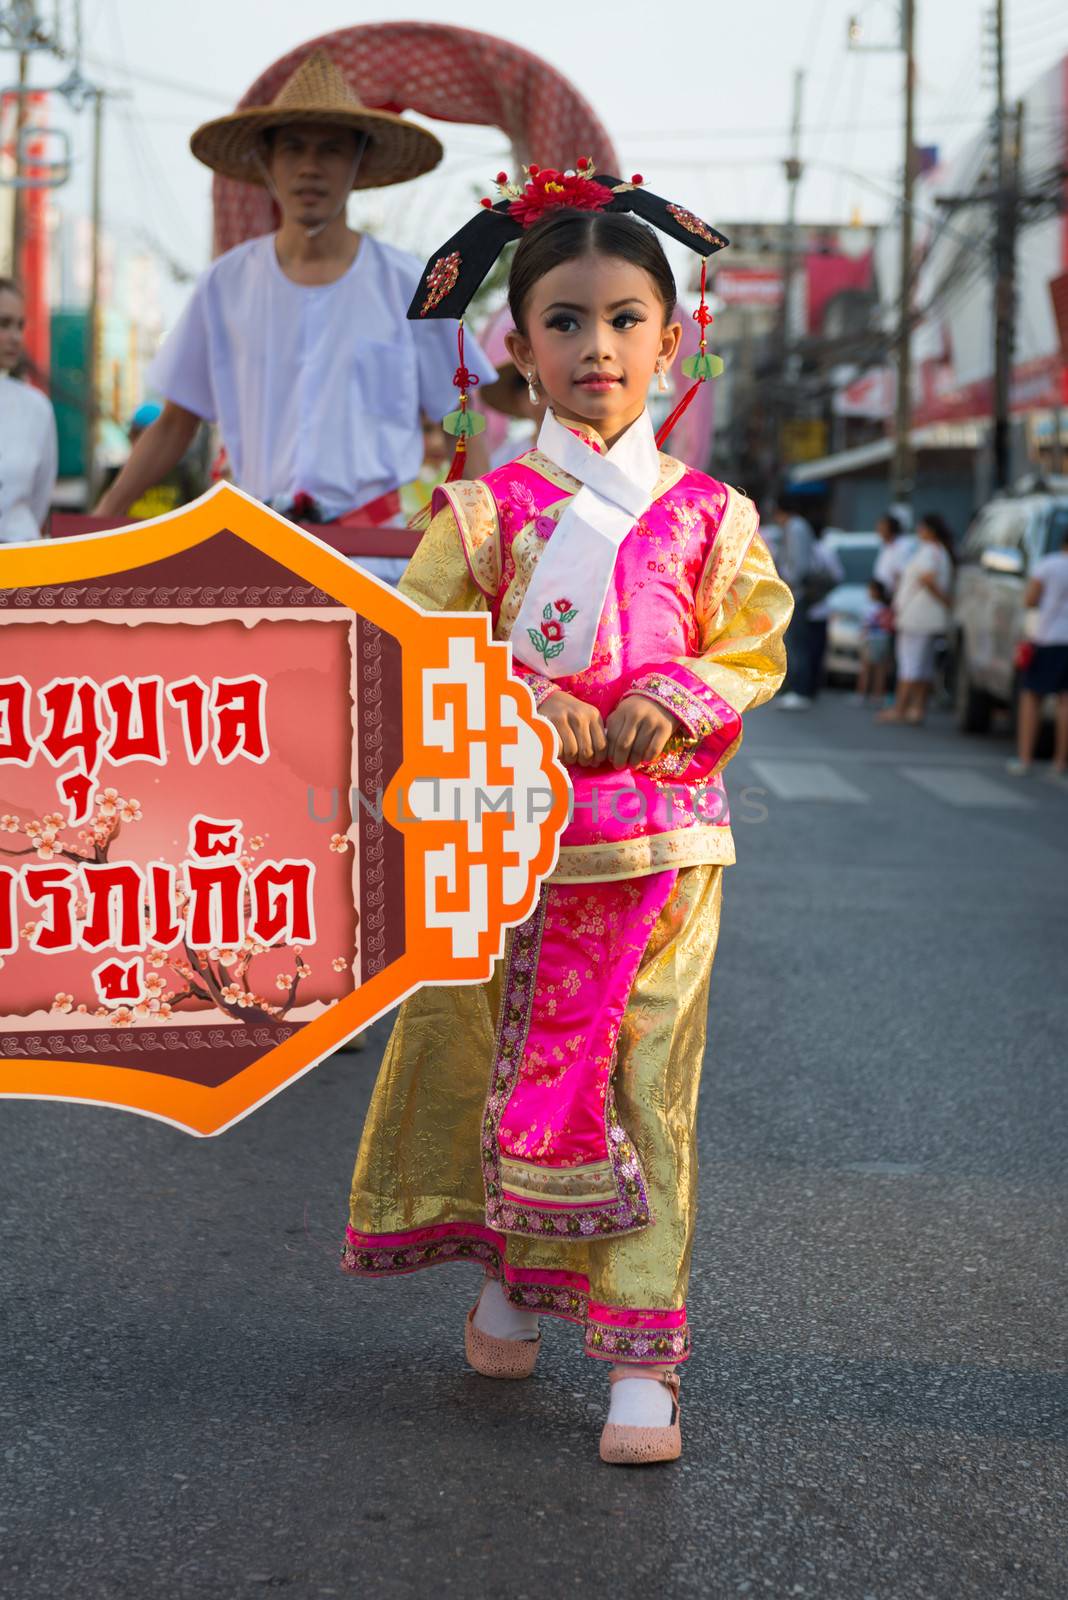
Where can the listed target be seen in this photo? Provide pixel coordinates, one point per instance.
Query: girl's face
(594, 332)
(12, 326)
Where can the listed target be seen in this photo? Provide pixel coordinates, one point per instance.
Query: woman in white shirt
(1046, 669)
(28, 451)
(921, 617)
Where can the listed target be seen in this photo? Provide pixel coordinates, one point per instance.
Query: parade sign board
(249, 799)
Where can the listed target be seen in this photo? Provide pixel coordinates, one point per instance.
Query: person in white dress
(921, 605)
(28, 451)
(897, 548)
(298, 343)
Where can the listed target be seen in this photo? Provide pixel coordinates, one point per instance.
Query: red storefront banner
(1058, 290)
(742, 286)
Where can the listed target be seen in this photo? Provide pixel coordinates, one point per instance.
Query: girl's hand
(582, 735)
(638, 731)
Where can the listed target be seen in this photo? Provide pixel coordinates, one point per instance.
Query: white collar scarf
(580, 556)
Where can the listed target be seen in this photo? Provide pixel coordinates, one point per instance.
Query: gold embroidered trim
(691, 711)
(476, 516)
(527, 547)
(592, 1182)
(541, 688)
(637, 858)
(670, 473)
(737, 528)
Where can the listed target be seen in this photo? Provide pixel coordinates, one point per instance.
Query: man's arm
(156, 453)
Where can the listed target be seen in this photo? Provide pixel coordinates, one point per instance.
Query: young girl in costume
(543, 1124)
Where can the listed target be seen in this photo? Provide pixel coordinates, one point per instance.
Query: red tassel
(464, 381)
(679, 410)
(459, 461)
(702, 316)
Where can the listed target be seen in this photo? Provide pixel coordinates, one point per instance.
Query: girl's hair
(942, 532)
(568, 234)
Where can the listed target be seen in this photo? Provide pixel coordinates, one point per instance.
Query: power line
(195, 91)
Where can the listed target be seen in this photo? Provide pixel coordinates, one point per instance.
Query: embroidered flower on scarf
(550, 638)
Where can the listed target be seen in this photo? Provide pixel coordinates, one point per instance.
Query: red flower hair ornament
(548, 190)
(457, 269)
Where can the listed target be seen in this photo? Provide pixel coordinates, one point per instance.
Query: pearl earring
(535, 397)
(661, 377)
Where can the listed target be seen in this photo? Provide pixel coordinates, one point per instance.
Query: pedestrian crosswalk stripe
(959, 787)
(807, 780)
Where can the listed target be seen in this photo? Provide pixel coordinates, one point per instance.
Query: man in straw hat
(297, 344)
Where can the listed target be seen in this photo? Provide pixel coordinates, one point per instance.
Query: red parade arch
(454, 75)
(450, 74)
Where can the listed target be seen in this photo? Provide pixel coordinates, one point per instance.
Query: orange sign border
(194, 1107)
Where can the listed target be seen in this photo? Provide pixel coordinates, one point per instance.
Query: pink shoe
(498, 1358)
(623, 1446)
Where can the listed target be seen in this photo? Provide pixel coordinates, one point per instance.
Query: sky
(696, 96)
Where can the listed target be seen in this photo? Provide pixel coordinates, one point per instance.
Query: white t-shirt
(315, 389)
(915, 608)
(1052, 574)
(28, 455)
(892, 560)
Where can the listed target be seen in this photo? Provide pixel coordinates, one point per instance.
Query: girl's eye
(563, 322)
(626, 319)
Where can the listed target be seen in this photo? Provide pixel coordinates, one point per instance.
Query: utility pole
(1007, 206)
(92, 406)
(17, 229)
(903, 471)
(794, 170)
(21, 26)
(1011, 206)
(1008, 218)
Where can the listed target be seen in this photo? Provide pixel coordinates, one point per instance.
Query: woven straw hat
(317, 92)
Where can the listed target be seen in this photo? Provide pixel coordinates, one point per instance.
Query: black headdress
(455, 271)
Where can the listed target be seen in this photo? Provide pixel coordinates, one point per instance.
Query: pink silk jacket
(694, 620)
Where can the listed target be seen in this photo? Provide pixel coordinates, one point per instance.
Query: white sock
(640, 1403)
(497, 1316)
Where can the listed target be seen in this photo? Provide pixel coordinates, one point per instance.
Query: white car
(847, 603)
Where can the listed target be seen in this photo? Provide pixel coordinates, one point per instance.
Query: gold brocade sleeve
(743, 658)
(438, 577)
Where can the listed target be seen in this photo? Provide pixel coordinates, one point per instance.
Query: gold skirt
(417, 1191)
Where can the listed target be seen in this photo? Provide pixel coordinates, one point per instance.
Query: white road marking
(958, 787)
(807, 780)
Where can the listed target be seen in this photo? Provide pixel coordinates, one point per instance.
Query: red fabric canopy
(451, 74)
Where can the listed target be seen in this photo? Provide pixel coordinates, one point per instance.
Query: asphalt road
(195, 1403)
